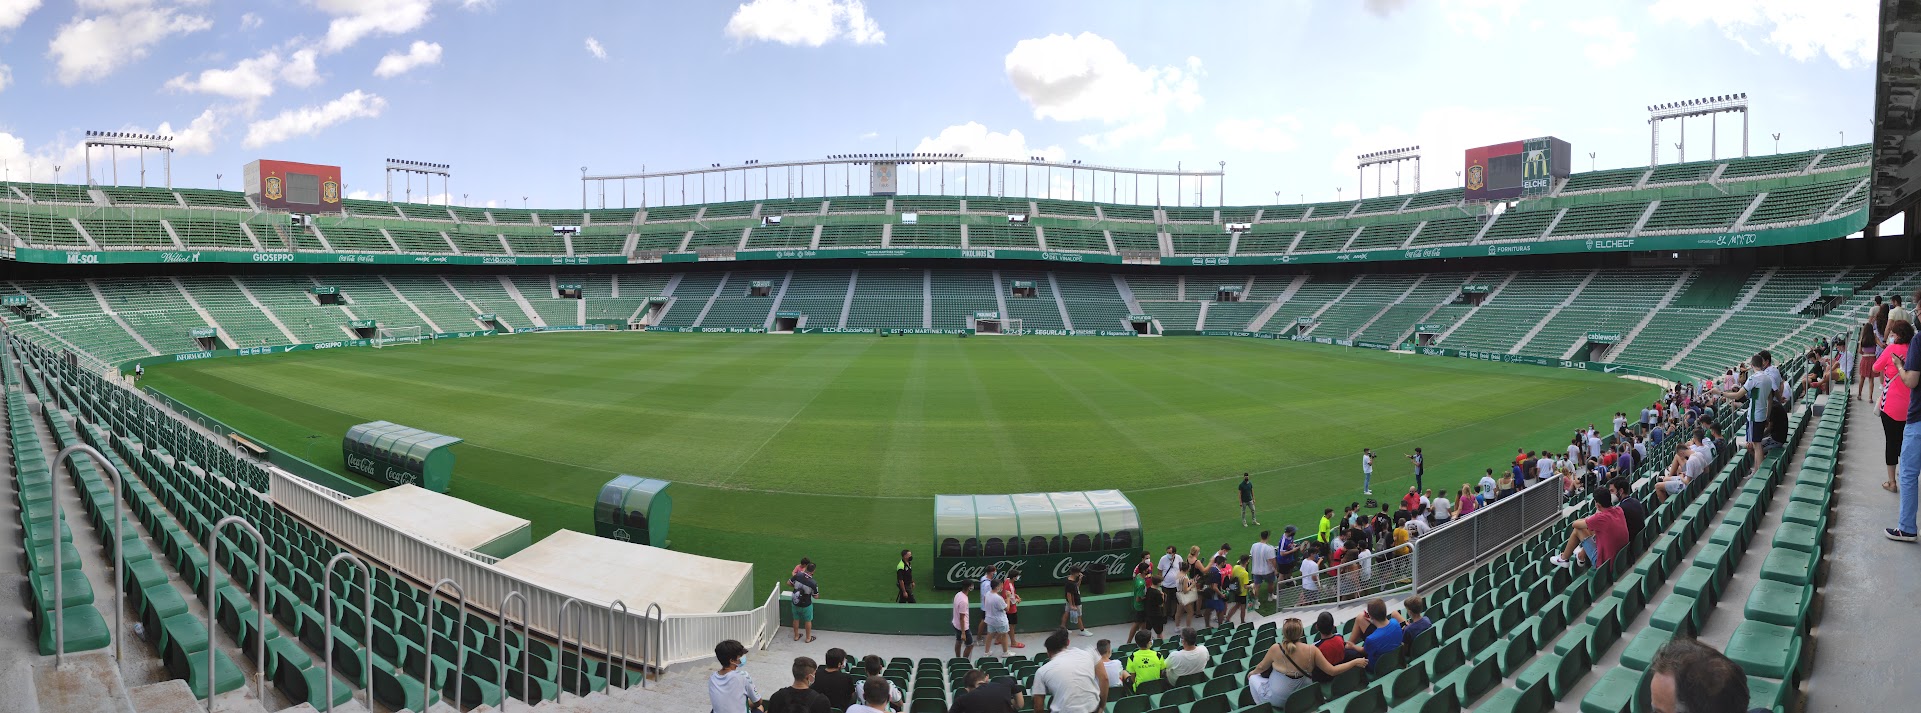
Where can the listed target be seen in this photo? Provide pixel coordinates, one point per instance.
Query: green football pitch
(831, 447)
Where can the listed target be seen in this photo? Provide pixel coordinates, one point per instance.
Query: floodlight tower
(1380, 158)
(426, 170)
(1681, 110)
(111, 140)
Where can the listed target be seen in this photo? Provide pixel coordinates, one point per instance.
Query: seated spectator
(874, 666)
(731, 690)
(1144, 667)
(1001, 695)
(833, 682)
(800, 697)
(1334, 648)
(1290, 665)
(1631, 507)
(1191, 660)
(1104, 652)
(875, 700)
(1377, 632)
(1595, 540)
(1690, 676)
(1416, 620)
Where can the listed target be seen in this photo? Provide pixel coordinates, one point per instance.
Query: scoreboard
(293, 187)
(1515, 169)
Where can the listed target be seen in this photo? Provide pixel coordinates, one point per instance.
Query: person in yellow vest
(1145, 665)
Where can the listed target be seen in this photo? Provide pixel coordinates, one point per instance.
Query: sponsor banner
(362, 324)
(326, 290)
(925, 330)
(202, 332)
(1476, 289)
(119, 257)
(1430, 328)
(1836, 289)
(277, 349)
(987, 315)
(1083, 332)
(1304, 320)
(1229, 288)
(1691, 241)
(787, 315)
(1140, 318)
(485, 316)
(569, 286)
(1604, 337)
(563, 328)
(13, 301)
(1036, 570)
(907, 253)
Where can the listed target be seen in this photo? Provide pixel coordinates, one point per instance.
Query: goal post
(395, 336)
(1012, 327)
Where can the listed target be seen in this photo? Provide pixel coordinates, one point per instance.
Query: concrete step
(164, 697)
(84, 683)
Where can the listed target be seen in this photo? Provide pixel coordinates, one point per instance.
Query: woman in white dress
(1288, 666)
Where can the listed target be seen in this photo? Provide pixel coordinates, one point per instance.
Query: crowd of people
(1885, 372)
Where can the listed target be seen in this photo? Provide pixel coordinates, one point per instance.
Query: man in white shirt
(1310, 574)
(1488, 484)
(1190, 660)
(1169, 568)
(1620, 422)
(1367, 471)
(1574, 449)
(1262, 568)
(1073, 680)
(994, 612)
(1442, 510)
(1593, 445)
(1544, 470)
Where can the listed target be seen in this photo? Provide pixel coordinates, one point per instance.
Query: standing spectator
(994, 612)
(1411, 502)
(1367, 471)
(1247, 501)
(904, 578)
(731, 690)
(805, 589)
(1894, 397)
(1467, 502)
(1599, 537)
(1420, 466)
(1897, 312)
(1620, 422)
(1868, 347)
(1263, 558)
(1440, 509)
(1286, 556)
(1759, 390)
(1489, 488)
(1169, 569)
(1327, 524)
(1071, 591)
(800, 697)
(1145, 665)
(1140, 599)
(875, 700)
(990, 580)
(1154, 606)
(1310, 575)
(963, 630)
(1910, 468)
(833, 682)
(1238, 579)
(1190, 660)
(1214, 591)
(1072, 680)
(1013, 600)
(1593, 445)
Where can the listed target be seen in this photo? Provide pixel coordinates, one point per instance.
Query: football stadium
(1539, 438)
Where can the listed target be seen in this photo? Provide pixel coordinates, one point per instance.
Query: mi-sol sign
(1036, 570)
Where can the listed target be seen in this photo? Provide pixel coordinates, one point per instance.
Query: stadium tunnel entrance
(1144, 325)
(328, 295)
(493, 322)
(986, 322)
(364, 328)
(1598, 345)
(649, 313)
(568, 290)
(787, 322)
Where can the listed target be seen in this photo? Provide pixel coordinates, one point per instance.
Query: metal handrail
(213, 589)
(119, 553)
(608, 642)
(560, 636)
(659, 649)
(460, 663)
(506, 627)
(366, 623)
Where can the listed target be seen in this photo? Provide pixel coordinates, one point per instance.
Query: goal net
(1011, 327)
(394, 336)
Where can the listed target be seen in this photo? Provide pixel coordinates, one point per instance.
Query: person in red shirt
(1596, 538)
(1412, 501)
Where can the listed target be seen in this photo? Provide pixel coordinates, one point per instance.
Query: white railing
(1380, 573)
(687, 637)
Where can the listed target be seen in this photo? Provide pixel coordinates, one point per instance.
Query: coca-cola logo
(1114, 564)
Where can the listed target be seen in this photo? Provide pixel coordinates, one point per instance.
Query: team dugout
(397, 455)
(1044, 534)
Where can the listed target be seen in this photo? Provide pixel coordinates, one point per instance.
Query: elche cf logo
(1476, 177)
(273, 190)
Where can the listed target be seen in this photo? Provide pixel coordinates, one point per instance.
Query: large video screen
(1515, 169)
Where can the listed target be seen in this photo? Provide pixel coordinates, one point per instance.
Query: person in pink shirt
(1894, 393)
(1466, 502)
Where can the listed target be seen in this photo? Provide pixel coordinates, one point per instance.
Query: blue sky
(517, 95)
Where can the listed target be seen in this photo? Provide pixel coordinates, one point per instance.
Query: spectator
(1327, 524)
(1189, 595)
(1072, 680)
(1213, 592)
(904, 578)
(1013, 600)
(1411, 502)
(1104, 651)
(1895, 396)
(1416, 621)
(1001, 695)
(1440, 509)
(1140, 599)
(994, 612)
(1367, 471)
(1247, 501)
(1467, 502)
(800, 697)
(1377, 632)
(1310, 575)
(1690, 461)
(1262, 561)
(1286, 554)
(1869, 347)
(1291, 665)
(875, 666)
(802, 582)
(1237, 580)
(1190, 660)
(876, 699)
(1489, 488)
(1635, 513)
(1687, 675)
(731, 690)
(1910, 468)
(1144, 667)
(833, 682)
(990, 580)
(1155, 608)
(1759, 389)
(1071, 593)
(963, 630)
(1599, 537)
(1332, 646)
(1169, 569)
(1420, 466)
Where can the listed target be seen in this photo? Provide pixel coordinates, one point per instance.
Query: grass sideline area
(831, 447)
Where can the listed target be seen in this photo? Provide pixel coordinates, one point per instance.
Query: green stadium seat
(1766, 650)
(1780, 603)
(1620, 690)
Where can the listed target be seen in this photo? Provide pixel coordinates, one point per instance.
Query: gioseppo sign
(1036, 570)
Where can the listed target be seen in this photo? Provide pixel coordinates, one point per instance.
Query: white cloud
(251, 21)
(1609, 44)
(1444, 135)
(1480, 18)
(37, 165)
(1801, 29)
(299, 70)
(1270, 135)
(973, 139)
(594, 48)
(1384, 8)
(361, 196)
(6, 77)
(870, 136)
(357, 19)
(804, 22)
(1086, 77)
(14, 12)
(1178, 142)
(250, 80)
(90, 48)
(420, 54)
(310, 120)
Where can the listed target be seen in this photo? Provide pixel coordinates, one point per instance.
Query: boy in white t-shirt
(1367, 471)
